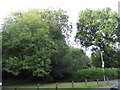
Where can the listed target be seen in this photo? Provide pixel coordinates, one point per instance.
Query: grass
(60, 85)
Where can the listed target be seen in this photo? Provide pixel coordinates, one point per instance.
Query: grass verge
(60, 85)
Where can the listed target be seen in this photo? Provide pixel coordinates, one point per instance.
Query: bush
(111, 73)
(94, 74)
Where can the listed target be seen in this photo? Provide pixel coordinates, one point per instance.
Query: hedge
(93, 74)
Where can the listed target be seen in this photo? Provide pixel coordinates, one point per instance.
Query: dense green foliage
(33, 40)
(98, 28)
(73, 60)
(110, 58)
(34, 45)
(77, 58)
(97, 73)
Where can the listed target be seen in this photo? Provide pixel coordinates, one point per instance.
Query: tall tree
(31, 39)
(98, 28)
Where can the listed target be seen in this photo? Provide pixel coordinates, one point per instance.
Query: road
(111, 81)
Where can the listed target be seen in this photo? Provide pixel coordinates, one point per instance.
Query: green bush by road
(96, 73)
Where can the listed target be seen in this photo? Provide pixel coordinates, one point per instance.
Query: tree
(96, 58)
(75, 59)
(110, 58)
(31, 39)
(69, 62)
(98, 28)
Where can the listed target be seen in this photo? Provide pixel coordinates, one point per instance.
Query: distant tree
(64, 67)
(77, 58)
(74, 60)
(96, 58)
(110, 58)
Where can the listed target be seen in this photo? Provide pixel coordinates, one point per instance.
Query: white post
(103, 65)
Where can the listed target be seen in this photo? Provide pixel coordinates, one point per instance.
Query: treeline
(34, 43)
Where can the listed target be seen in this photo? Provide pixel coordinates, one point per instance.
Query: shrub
(111, 73)
(94, 74)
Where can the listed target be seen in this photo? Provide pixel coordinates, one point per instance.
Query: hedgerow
(93, 74)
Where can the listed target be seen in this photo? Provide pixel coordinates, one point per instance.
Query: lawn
(60, 85)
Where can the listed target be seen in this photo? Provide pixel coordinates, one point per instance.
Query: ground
(64, 85)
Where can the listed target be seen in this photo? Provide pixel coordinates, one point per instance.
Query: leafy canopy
(97, 28)
(30, 40)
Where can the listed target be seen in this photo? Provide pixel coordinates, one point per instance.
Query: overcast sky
(73, 7)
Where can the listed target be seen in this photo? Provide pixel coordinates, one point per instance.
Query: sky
(73, 7)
